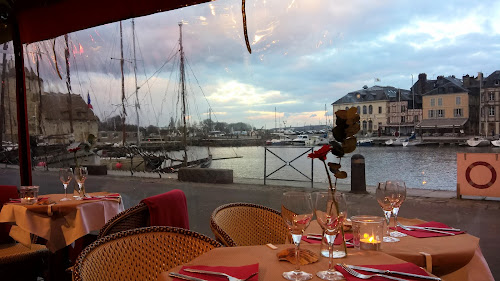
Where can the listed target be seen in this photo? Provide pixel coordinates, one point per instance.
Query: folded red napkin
(241, 272)
(338, 239)
(107, 196)
(425, 234)
(402, 267)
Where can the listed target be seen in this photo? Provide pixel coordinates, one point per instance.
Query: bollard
(358, 179)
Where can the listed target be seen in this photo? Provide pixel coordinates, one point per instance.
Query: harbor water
(425, 167)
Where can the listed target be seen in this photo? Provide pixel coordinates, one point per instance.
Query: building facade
(448, 107)
(490, 105)
(383, 110)
(48, 113)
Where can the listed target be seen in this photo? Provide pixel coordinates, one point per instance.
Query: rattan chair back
(135, 217)
(140, 254)
(246, 224)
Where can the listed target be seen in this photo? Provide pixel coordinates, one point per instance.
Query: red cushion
(6, 193)
(168, 209)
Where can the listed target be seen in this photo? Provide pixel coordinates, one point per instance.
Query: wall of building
(449, 104)
(378, 119)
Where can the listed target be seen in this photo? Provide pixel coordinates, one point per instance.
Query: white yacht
(300, 140)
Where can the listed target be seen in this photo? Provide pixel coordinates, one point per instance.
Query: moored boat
(495, 143)
(365, 142)
(300, 140)
(477, 141)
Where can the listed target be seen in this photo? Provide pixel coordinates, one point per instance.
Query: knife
(435, 228)
(185, 277)
(393, 272)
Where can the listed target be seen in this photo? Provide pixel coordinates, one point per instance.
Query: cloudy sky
(305, 54)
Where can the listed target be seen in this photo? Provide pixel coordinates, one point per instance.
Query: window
(370, 109)
(364, 125)
(388, 109)
(492, 111)
(458, 112)
(364, 109)
(433, 102)
(440, 113)
(403, 108)
(370, 125)
(431, 113)
(491, 96)
(403, 119)
(379, 110)
(457, 100)
(415, 118)
(359, 110)
(440, 101)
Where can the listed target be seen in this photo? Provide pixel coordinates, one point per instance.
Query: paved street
(478, 217)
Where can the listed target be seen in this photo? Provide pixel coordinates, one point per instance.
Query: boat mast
(183, 94)
(136, 89)
(124, 113)
(68, 85)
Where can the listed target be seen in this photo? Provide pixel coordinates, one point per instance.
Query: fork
(426, 229)
(365, 276)
(229, 277)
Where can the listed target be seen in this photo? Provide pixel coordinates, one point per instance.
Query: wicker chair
(135, 217)
(13, 256)
(140, 254)
(246, 224)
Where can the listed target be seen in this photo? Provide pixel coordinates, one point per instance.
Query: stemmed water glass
(80, 174)
(297, 212)
(65, 175)
(331, 212)
(386, 195)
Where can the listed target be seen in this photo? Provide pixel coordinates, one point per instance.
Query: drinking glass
(385, 197)
(65, 175)
(80, 174)
(401, 196)
(331, 212)
(297, 212)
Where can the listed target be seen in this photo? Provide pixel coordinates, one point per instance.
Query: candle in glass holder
(368, 232)
(28, 194)
(369, 243)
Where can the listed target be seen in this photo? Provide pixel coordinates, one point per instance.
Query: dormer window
(497, 82)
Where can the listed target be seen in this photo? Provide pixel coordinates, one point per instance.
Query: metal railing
(288, 164)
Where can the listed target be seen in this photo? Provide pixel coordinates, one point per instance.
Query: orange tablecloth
(270, 268)
(60, 223)
(453, 257)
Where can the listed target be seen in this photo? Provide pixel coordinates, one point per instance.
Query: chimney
(466, 81)
(422, 81)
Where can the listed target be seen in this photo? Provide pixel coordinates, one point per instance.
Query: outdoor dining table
(60, 222)
(455, 257)
(270, 268)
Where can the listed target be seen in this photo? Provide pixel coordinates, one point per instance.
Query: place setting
(218, 273)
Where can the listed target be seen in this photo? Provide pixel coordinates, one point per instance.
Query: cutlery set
(382, 273)
(430, 229)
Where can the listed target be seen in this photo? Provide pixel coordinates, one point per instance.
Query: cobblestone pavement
(478, 217)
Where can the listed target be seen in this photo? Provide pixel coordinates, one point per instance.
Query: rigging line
(174, 66)
(196, 78)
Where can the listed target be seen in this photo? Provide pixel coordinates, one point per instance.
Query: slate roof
(493, 80)
(446, 85)
(375, 93)
(55, 107)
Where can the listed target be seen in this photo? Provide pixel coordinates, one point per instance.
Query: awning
(443, 123)
(44, 19)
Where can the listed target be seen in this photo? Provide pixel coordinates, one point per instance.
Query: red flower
(321, 153)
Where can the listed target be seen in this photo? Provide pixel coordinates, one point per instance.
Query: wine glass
(331, 212)
(297, 212)
(386, 194)
(401, 196)
(80, 174)
(65, 175)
